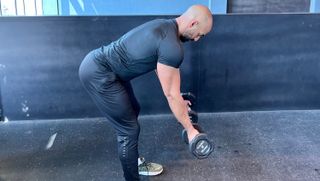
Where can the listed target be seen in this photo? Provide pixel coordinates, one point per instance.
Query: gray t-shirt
(138, 51)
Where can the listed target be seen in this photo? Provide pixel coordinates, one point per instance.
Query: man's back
(138, 51)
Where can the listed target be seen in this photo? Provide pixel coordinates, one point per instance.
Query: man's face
(187, 36)
(193, 33)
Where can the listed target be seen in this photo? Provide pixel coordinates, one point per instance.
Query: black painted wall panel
(248, 62)
(1, 108)
(2, 80)
(261, 62)
(41, 56)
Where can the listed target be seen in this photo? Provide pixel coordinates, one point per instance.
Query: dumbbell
(185, 135)
(193, 116)
(192, 98)
(199, 146)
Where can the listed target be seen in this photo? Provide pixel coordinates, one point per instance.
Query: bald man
(106, 73)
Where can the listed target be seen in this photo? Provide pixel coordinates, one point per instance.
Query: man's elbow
(170, 96)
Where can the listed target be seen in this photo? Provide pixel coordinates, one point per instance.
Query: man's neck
(180, 24)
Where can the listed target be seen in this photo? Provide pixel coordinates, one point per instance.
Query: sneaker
(148, 169)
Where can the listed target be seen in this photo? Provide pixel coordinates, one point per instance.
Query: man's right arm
(170, 81)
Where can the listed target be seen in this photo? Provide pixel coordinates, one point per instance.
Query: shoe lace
(146, 165)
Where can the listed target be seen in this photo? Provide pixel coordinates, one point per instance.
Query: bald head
(198, 12)
(195, 22)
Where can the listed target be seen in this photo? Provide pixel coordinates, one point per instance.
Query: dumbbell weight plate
(184, 136)
(200, 146)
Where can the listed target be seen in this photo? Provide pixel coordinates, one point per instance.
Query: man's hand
(192, 133)
(188, 104)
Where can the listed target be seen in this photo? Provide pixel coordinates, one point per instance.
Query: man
(156, 45)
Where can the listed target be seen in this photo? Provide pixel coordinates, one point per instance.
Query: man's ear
(194, 23)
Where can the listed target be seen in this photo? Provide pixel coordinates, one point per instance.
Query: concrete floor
(257, 146)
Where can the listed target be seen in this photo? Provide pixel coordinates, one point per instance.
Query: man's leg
(113, 100)
(133, 99)
(145, 168)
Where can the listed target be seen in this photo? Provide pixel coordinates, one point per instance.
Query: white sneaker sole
(151, 173)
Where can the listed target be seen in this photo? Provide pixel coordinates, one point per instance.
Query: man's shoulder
(157, 28)
(160, 21)
(153, 24)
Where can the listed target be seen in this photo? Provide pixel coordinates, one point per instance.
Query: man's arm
(170, 81)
